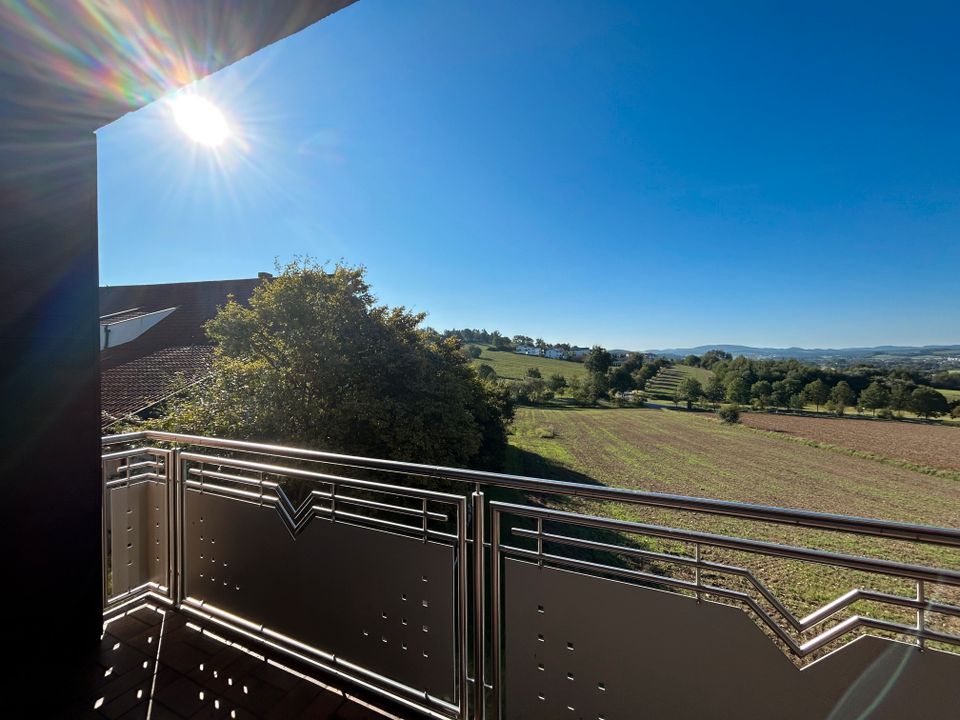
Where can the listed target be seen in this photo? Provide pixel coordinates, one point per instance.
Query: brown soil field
(934, 446)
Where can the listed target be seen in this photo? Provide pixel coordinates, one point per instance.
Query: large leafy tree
(599, 360)
(738, 390)
(875, 396)
(842, 397)
(689, 390)
(816, 392)
(315, 361)
(927, 402)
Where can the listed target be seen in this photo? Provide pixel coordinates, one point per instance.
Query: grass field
(694, 454)
(663, 385)
(514, 366)
(950, 395)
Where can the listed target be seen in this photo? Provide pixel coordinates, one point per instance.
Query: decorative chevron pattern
(790, 630)
(295, 519)
(359, 501)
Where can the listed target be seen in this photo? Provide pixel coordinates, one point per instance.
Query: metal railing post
(696, 569)
(176, 531)
(479, 591)
(495, 610)
(921, 613)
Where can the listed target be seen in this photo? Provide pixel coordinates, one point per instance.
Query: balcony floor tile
(161, 668)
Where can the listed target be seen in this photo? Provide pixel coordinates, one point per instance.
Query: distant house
(579, 353)
(555, 353)
(529, 350)
(152, 340)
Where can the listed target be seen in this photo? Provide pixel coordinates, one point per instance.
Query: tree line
(495, 340)
(791, 384)
(787, 384)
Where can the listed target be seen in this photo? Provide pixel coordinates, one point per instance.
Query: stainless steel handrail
(226, 468)
(763, 513)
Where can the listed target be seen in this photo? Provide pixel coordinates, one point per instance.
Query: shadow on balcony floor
(160, 664)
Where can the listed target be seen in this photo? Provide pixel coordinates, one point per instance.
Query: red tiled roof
(132, 386)
(195, 303)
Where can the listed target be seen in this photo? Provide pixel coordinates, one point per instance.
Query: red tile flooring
(159, 664)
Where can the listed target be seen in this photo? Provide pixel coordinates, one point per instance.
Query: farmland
(932, 446)
(664, 384)
(694, 454)
(514, 366)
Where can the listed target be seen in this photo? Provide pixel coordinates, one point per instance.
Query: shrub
(730, 414)
(486, 372)
(557, 382)
(955, 413)
(885, 414)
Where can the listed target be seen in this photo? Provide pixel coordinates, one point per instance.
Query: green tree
(587, 389)
(875, 396)
(738, 390)
(313, 361)
(715, 392)
(761, 392)
(689, 390)
(730, 414)
(622, 378)
(486, 371)
(781, 391)
(599, 360)
(692, 360)
(534, 372)
(816, 392)
(841, 397)
(927, 402)
(473, 351)
(899, 396)
(557, 382)
(712, 357)
(501, 343)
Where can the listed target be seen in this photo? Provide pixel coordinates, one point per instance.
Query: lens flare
(200, 119)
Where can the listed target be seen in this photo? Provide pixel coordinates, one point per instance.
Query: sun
(200, 119)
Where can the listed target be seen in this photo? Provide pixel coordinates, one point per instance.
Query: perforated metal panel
(375, 599)
(138, 535)
(579, 646)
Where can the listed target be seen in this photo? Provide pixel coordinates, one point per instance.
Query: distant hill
(878, 353)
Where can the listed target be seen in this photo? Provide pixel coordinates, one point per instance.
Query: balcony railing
(465, 594)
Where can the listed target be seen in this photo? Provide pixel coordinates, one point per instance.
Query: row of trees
(859, 376)
(789, 393)
(498, 341)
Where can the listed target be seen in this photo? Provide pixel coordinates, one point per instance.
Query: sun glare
(200, 119)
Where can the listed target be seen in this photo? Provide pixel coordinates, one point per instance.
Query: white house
(528, 350)
(555, 353)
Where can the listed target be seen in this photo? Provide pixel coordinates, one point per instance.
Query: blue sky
(638, 175)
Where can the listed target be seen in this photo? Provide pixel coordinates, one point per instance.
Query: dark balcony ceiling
(67, 69)
(88, 63)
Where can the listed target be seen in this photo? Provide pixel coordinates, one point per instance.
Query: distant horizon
(634, 175)
(618, 346)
